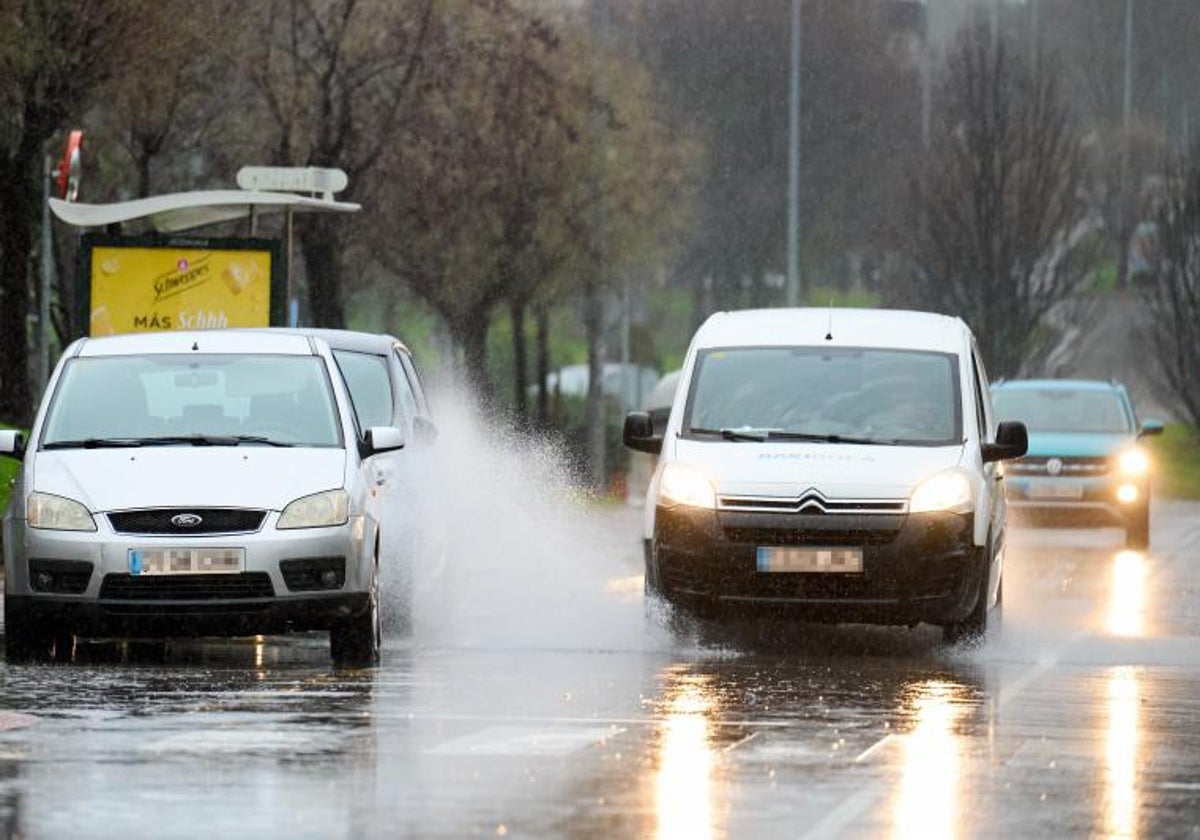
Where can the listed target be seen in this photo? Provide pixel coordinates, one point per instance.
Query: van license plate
(186, 561)
(786, 559)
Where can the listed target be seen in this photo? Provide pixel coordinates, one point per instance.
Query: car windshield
(813, 393)
(1063, 409)
(196, 399)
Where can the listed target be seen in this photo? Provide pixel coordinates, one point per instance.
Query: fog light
(329, 579)
(1127, 494)
(43, 582)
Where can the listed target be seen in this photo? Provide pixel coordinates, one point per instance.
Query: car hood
(1075, 444)
(193, 476)
(837, 471)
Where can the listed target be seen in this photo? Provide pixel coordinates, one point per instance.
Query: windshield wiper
(94, 443)
(730, 434)
(164, 440)
(815, 438)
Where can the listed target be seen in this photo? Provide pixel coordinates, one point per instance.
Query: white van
(837, 465)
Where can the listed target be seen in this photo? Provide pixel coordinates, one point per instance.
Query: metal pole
(926, 84)
(1127, 99)
(43, 322)
(793, 232)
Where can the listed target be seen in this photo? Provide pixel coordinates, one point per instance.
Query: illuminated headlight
(1134, 462)
(1127, 494)
(947, 491)
(55, 513)
(682, 485)
(320, 510)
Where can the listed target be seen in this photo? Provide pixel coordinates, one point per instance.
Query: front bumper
(95, 594)
(1080, 502)
(919, 567)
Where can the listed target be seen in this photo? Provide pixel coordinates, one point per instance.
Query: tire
(1137, 529)
(356, 642)
(28, 639)
(971, 631)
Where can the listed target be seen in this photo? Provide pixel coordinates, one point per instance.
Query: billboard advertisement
(133, 284)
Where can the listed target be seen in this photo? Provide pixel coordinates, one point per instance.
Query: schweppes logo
(187, 274)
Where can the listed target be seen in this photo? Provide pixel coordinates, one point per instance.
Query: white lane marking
(741, 741)
(523, 741)
(236, 740)
(874, 748)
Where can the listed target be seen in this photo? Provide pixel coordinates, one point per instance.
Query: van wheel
(971, 631)
(27, 639)
(356, 643)
(1137, 531)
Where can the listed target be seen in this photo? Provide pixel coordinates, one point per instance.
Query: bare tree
(1172, 318)
(1000, 232)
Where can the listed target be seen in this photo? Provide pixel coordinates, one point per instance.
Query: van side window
(980, 400)
(408, 399)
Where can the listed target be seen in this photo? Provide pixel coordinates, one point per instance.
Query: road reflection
(684, 783)
(1127, 595)
(926, 803)
(1126, 617)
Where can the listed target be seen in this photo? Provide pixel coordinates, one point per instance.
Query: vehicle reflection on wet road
(1082, 717)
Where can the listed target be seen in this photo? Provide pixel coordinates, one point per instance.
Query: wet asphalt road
(1081, 718)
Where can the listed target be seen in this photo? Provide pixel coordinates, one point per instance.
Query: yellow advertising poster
(145, 289)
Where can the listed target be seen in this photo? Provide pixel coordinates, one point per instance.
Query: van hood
(192, 476)
(837, 471)
(1076, 444)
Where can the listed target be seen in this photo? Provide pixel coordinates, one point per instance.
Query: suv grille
(207, 587)
(1071, 467)
(811, 503)
(211, 521)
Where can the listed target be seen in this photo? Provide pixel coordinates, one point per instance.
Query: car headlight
(948, 491)
(682, 485)
(320, 510)
(55, 513)
(1134, 462)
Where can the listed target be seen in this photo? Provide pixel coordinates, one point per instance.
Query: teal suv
(1086, 464)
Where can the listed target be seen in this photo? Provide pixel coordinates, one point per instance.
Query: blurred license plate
(186, 561)
(810, 559)
(1055, 490)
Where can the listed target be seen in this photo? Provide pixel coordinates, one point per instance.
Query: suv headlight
(56, 513)
(1134, 461)
(948, 491)
(682, 485)
(320, 510)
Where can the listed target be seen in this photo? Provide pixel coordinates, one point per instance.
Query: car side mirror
(12, 443)
(425, 431)
(1012, 441)
(1150, 427)
(638, 433)
(383, 439)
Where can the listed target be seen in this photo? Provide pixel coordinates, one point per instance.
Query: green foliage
(842, 298)
(1177, 460)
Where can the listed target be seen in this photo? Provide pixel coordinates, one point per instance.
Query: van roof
(883, 328)
(204, 341)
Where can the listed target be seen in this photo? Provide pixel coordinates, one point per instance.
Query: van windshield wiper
(816, 438)
(731, 434)
(163, 440)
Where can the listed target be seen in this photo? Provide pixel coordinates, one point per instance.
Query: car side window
(370, 388)
(408, 397)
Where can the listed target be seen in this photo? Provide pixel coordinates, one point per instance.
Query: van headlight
(681, 485)
(1134, 462)
(56, 513)
(948, 492)
(320, 510)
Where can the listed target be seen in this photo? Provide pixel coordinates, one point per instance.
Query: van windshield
(851, 395)
(193, 399)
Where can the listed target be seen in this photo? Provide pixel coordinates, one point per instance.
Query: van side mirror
(1012, 441)
(1150, 427)
(12, 444)
(638, 433)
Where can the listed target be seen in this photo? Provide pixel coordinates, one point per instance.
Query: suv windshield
(192, 399)
(835, 395)
(1063, 409)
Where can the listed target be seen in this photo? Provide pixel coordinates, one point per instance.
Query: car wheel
(26, 638)
(971, 630)
(356, 642)
(1137, 530)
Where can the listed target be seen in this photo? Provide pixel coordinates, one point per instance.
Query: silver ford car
(194, 484)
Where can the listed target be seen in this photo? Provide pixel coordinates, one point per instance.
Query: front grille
(208, 587)
(1071, 467)
(211, 521)
(796, 536)
(811, 503)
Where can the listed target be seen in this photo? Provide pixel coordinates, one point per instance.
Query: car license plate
(1057, 490)
(186, 561)
(781, 559)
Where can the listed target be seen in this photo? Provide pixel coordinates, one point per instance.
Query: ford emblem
(185, 520)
